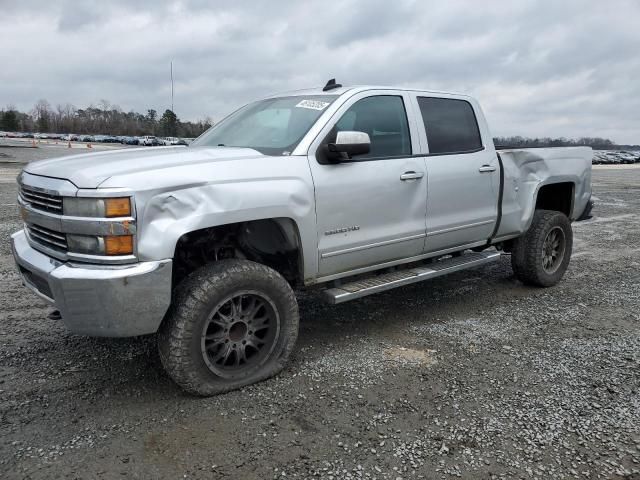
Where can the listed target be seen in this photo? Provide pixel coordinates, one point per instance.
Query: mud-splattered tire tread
(178, 337)
(526, 254)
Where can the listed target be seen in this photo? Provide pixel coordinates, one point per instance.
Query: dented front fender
(186, 199)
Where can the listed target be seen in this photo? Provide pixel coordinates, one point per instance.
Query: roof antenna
(331, 84)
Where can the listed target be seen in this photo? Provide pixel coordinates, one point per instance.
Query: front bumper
(98, 300)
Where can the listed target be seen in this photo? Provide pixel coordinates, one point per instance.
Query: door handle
(487, 168)
(411, 176)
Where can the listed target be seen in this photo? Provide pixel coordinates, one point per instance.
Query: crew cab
(351, 190)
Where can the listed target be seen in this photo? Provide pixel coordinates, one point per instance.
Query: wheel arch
(274, 242)
(558, 196)
(544, 198)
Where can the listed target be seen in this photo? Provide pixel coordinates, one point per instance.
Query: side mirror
(348, 144)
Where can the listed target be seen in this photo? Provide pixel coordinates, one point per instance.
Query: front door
(371, 209)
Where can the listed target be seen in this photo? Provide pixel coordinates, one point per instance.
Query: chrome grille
(40, 200)
(47, 238)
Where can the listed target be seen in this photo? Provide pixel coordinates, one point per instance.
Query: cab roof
(357, 89)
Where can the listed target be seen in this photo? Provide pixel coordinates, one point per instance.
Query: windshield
(273, 127)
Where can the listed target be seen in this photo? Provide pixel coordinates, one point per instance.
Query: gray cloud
(540, 68)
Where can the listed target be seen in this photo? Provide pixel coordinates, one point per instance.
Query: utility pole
(172, 86)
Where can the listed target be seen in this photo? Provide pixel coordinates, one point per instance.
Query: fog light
(118, 245)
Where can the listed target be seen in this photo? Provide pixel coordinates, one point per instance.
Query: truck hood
(92, 169)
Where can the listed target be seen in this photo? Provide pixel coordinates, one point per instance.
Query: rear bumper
(98, 300)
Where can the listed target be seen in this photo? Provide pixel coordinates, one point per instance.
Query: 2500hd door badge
(342, 230)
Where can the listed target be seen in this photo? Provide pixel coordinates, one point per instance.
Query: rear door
(463, 173)
(371, 209)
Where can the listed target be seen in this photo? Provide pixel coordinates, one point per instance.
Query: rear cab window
(450, 124)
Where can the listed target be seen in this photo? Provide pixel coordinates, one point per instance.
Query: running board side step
(387, 281)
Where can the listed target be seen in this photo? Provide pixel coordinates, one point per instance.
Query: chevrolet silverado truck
(350, 190)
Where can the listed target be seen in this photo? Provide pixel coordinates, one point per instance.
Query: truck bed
(527, 170)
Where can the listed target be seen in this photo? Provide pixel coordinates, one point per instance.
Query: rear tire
(541, 256)
(232, 323)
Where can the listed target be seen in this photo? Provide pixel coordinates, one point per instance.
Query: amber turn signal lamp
(118, 245)
(117, 207)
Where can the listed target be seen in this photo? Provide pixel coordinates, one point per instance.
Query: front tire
(541, 256)
(232, 323)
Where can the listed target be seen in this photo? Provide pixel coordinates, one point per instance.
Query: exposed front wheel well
(557, 197)
(272, 242)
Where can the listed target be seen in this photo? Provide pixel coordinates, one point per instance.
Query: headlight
(97, 207)
(108, 245)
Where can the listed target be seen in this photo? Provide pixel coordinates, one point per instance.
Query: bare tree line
(103, 118)
(596, 143)
(109, 119)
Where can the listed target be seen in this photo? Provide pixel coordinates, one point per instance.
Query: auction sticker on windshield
(313, 104)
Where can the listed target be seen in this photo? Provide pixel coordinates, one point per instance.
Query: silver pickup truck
(353, 190)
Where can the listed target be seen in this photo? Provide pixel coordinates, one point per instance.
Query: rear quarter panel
(527, 170)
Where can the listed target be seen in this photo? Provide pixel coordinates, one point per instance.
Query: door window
(450, 124)
(384, 119)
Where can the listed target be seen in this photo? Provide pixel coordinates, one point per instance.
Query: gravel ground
(469, 376)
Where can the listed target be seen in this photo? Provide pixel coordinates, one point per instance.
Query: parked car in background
(613, 157)
(149, 141)
(128, 140)
(173, 141)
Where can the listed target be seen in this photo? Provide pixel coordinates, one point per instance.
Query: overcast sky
(540, 68)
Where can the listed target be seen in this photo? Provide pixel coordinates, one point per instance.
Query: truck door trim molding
(393, 263)
(459, 227)
(372, 245)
